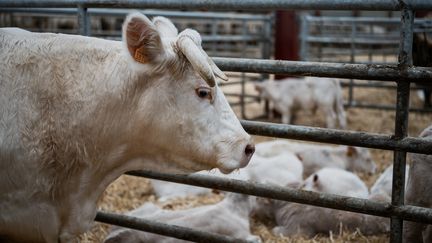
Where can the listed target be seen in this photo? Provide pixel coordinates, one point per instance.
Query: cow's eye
(204, 93)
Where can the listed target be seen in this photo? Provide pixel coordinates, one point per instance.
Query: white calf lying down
(419, 192)
(77, 112)
(383, 184)
(280, 170)
(165, 190)
(229, 217)
(310, 93)
(315, 157)
(336, 181)
(292, 219)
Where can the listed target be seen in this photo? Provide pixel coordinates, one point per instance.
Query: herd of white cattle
(283, 163)
(77, 112)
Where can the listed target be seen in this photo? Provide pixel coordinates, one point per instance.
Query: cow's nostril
(249, 150)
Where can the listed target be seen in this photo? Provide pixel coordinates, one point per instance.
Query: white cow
(77, 112)
(419, 192)
(383, 185)
(315, 157)
(336, 181)
(228, 217)
(311, 94)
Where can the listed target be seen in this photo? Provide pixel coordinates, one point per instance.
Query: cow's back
(47, 85)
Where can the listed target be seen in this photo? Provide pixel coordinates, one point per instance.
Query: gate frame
(403, 74)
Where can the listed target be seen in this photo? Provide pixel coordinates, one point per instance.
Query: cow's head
(359, 159)
(186, 121)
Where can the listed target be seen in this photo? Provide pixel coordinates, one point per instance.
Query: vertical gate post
(401, 121)
(83, 21)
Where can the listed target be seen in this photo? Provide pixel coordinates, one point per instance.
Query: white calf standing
(315, 157)
(419, 192)
(336, 181)
(229, 217)
(311, 94)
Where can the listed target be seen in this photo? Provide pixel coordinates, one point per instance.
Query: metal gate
(369, 40)
(402, 73)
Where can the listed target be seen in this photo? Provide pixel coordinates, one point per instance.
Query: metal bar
(246, 102)
(83, 21)
(246, 95)
(386, 107)
(324, 135)
(372, 85)
(348, 40)
(266, 49)
(352, 60)
(358, 205)
(304, 31)
(375, 5)
(401, 122)
(123, 12)
(326, 69)
(236, 38)
(377, 85)
(243, 75)
(348, 20)
(175, 231)
(399, 163)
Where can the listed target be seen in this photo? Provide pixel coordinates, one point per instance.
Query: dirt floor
(129, 192)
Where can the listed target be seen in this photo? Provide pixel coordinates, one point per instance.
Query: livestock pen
(368, 40)
(403, 74)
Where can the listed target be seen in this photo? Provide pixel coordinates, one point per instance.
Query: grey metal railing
(374, 5)
(403, 73)
(368, 40)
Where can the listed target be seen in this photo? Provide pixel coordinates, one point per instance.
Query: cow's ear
(351, 151)
(258, 87)
(165, 27)
(142, 39)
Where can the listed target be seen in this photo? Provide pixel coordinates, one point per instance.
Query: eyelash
(204, 93)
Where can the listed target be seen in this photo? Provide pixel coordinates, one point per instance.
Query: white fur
(315, 156)
(77, 112)
(419, 192)
(311, 94)
(229, 217)
(280, 170)
(165, 190)
(383, 185)
(299, 219)
(336, 181)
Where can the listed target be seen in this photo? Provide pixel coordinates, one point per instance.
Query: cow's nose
(249, 150)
